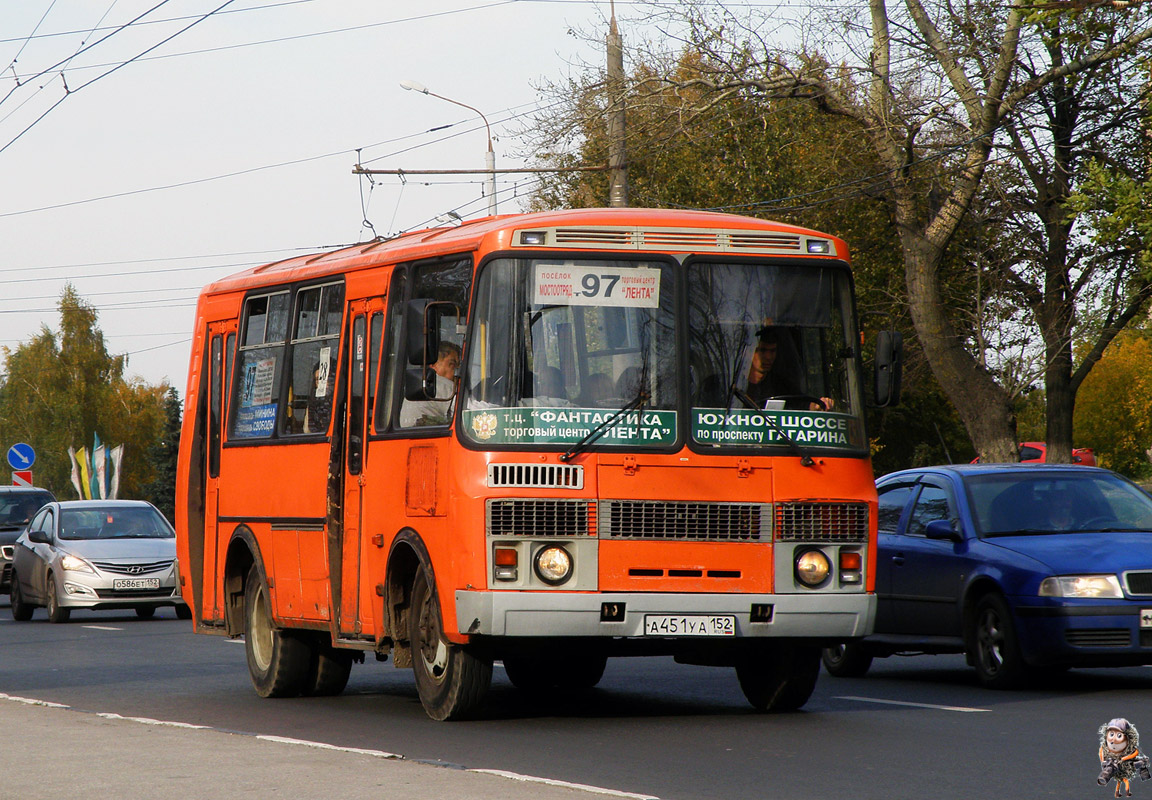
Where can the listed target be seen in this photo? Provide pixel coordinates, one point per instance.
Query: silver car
(98, 554)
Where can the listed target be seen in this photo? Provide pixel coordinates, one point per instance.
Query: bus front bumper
(815, 615)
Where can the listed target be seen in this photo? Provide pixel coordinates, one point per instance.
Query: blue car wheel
(998, 661)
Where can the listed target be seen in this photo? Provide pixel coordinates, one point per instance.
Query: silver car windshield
(113, 523)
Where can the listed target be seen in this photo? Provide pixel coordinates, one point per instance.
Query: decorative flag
(75, 471)
(85, 481)
(115, 458)
(99, 472)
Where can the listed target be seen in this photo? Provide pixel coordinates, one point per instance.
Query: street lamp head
(414, 86)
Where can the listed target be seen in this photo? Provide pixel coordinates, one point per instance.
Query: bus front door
(211, 602)
(354, 619)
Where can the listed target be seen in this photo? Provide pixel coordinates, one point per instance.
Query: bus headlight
(812, 567)
(553, 565)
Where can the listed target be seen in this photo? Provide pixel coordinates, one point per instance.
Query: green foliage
(63, 387)
(161, 492)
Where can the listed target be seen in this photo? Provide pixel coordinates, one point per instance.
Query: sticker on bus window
(566, 285)
(254, 421)
(805, 428)
(569, 425)
(257, 387)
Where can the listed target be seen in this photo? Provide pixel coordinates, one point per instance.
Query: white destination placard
(566, 285)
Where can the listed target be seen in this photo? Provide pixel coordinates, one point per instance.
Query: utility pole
(617, 158)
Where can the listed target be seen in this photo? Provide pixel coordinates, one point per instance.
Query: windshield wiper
(594, 434)
(805, 459)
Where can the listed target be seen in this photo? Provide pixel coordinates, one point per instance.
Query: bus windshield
(558, 346)
(561, 345)
(772, 354)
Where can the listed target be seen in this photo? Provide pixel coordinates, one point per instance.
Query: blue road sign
(21, 456)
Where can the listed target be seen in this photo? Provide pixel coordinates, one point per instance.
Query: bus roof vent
(692, 240)
(535, 476)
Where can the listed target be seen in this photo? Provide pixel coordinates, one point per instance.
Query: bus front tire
(780, 678)
(451, 680)
(278, 662)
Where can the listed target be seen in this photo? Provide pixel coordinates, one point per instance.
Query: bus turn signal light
(505, 560)
(850, 565)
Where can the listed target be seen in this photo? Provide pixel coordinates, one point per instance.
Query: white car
(97, 554)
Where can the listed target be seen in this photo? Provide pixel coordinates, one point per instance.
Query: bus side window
(393, 364)
(260, 365)
(315, 346)
(446, 283)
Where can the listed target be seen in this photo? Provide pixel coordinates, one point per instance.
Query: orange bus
(541, 439)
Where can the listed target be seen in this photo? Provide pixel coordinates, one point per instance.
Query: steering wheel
(1090, 523)
(799, 401)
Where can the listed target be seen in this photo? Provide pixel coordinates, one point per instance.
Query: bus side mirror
(889, 367)
(419, 383)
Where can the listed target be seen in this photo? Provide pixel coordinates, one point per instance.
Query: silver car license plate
(119, 584)
(689, 625)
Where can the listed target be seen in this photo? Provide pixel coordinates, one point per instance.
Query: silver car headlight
(1081, 586)
(75, 564)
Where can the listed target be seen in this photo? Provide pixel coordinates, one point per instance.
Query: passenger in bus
(548, 387)
(770, 376)
(435, 412)
(598, 389)
(628, 384)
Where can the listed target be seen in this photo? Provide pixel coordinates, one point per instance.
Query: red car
(1037, 453)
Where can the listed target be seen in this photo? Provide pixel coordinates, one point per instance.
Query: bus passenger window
(315, 345)
(259, 367)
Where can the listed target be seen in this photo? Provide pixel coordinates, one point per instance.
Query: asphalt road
(914, 727)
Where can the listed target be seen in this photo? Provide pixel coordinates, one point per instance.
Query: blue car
(1021, 567)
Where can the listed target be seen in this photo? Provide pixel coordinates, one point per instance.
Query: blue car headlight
(1081, 586)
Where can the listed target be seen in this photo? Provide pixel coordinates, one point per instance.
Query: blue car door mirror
(942, 529)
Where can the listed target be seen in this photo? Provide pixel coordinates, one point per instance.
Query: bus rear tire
(278, 662)
(780, 678)
(567, 671)
(328, 671)
(451, 681)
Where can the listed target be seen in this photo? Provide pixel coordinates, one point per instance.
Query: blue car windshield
(1042, 502)
(114, 523)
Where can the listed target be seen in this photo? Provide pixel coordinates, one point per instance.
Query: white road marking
(323, 746)
(103, 628)
(515, 776)
(963, 709)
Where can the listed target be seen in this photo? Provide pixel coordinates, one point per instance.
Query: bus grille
(521, 476)
(524, 517)
(699, 522)
(697, 240)
(822, 522)
(1139, 583)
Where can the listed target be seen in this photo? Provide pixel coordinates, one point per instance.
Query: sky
(150, 147)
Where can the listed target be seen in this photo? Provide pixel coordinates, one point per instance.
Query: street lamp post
(489, 157)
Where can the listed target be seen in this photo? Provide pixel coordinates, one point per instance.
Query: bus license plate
(136, 583)
(689, 625)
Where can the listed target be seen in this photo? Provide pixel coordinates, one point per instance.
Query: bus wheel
(277, 661)
(328, 671)
(571, 671)
(450, 680)
(780, 678)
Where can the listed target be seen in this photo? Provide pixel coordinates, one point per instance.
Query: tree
(930, 87)
(161, 492)
(62, 388)
(1112, 412)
